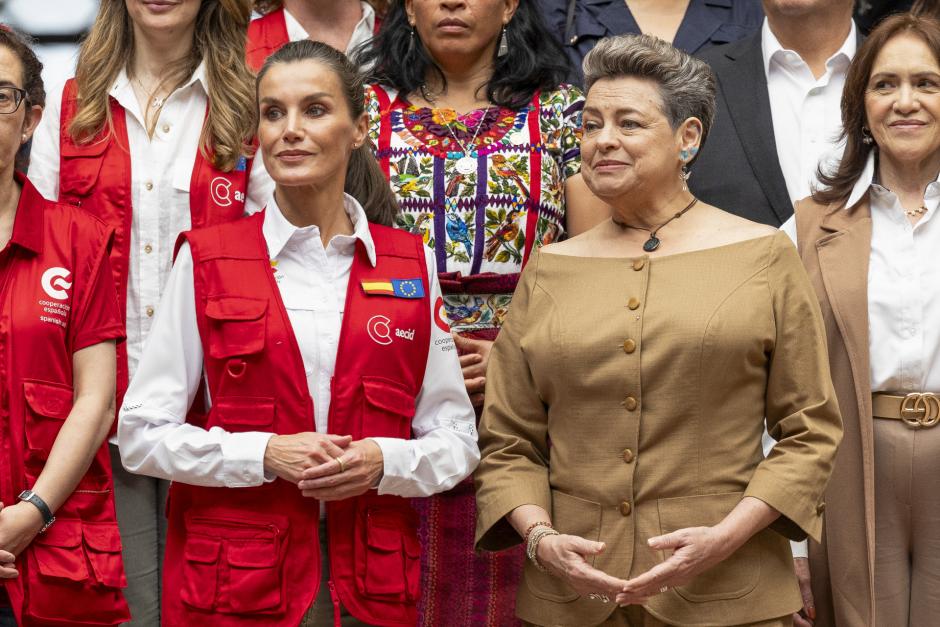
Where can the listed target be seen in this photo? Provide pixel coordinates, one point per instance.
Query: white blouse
(362, 33)
(312, 279)
(161, 170)
(903, 289)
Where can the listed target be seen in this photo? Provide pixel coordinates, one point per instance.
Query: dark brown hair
(926, 7)
(837, 185)
(364, 180)
(20, 45)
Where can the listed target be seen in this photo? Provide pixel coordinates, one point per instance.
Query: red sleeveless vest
(97, 177)
(268, 33)
(71, 574)
(250, 556)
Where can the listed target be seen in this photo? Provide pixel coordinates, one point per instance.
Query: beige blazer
(627, 397)
(835, 245)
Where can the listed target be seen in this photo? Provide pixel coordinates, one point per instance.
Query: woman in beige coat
(627, 392)
(870, 240)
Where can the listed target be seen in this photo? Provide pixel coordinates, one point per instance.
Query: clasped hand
(19, 524)
(326, 467)
(695, 550)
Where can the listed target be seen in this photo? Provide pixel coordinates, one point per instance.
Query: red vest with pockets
(97, 177)
(250, 556)
(72, 573)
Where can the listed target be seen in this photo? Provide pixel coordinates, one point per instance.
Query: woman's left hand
(356, 471)
(7, 566)
(19, 524)
(474, 358)
(695, 550)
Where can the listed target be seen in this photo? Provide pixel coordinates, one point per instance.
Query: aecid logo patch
(380, 330)
(222, 193)
(55, 283)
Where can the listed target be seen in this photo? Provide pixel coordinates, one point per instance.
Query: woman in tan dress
(622, 431)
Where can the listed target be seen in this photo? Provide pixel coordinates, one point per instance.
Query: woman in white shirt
(317, 335)
(869, 241)
(149, 136)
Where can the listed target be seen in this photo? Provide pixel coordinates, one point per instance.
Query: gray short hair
(686, 84)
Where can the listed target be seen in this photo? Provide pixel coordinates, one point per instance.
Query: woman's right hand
(287, 456)
(565, 556)
(7, 567)
(807, 616)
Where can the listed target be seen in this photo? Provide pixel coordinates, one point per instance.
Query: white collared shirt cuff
(799, 549)
(396, 458)
(243, 459)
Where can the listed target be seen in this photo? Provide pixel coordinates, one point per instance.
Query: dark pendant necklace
(653, 242)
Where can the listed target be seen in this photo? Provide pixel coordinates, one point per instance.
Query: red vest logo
(55, 283)
(379, 330)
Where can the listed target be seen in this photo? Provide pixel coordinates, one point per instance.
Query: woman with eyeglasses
(60, 552)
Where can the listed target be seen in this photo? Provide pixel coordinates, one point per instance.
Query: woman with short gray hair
(621, 435)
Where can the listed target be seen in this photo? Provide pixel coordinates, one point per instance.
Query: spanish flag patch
(397, 288)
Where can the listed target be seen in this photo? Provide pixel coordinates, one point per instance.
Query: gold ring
(342, 466)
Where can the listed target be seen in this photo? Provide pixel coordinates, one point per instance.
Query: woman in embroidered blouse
(480, 142)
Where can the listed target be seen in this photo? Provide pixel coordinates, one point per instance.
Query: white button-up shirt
(806, 111)
(903, 289)
(312, 280)
(362, 33)
(161, 170)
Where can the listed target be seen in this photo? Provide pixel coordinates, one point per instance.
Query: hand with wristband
(562, 555)
(19, 524)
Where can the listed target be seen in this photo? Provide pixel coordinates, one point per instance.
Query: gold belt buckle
(920, 410)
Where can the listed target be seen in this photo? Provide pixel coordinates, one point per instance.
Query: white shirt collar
(773, 49)
(278, 231)
(866, 180)
(362, 33)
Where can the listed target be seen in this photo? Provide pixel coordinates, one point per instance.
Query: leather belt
(916, 410)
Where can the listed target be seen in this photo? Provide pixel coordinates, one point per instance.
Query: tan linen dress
(627, 397)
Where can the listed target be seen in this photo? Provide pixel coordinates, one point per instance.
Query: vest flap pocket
(52, 400)
(201, 571)
(59, 553)
(80, 167)
(730, 579)
(388, 395)
(239, 412)
(390, 570)
(202, 550)
(236, 326)
(103, 541)
(261, 553)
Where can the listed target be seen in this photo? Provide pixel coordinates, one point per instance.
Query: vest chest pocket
(79, 169)
(233, 567)
(47, 407)
(390, 566)
(237, 326)
(387, 409)
(70, 565)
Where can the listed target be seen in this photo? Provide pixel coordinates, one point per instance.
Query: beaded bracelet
(541, 523)
(532, 545)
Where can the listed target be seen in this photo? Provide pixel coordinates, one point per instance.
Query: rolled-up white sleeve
(444, 449)
(153, 436)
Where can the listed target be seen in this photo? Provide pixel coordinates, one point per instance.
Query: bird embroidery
(458, 232)
(506, 232)
(503, 168)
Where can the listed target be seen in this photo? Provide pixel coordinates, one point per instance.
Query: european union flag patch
(397, 288)
(241, 164)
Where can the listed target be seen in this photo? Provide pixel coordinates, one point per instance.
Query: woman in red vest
(60, 552)
(316, 331)
(343, 24)
(149, 136)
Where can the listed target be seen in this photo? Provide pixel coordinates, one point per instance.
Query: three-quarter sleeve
(801, 408)
(513, 429)
(562, 128)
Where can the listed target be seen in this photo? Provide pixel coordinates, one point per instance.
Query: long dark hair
(364, 180)
(535, 60)
(20, 45)
(837, 185)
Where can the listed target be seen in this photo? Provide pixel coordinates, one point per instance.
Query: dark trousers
(6, 617)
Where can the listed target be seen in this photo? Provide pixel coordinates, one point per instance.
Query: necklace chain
(915, 212)
(463, 147)
(156, 102)
(653, 242)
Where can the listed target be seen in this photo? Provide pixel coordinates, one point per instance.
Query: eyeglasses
(10, 99)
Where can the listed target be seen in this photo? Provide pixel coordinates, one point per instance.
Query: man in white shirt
(778, 110)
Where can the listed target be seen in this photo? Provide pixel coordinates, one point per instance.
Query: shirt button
(148, 185)
(630, 403)
(166, 128)
(625, 508)
(629, 346)
(638, 264)
(628, 455)
(821, 508)
(148, 248)
(633, 303)
(149, 311)
(573, 40)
